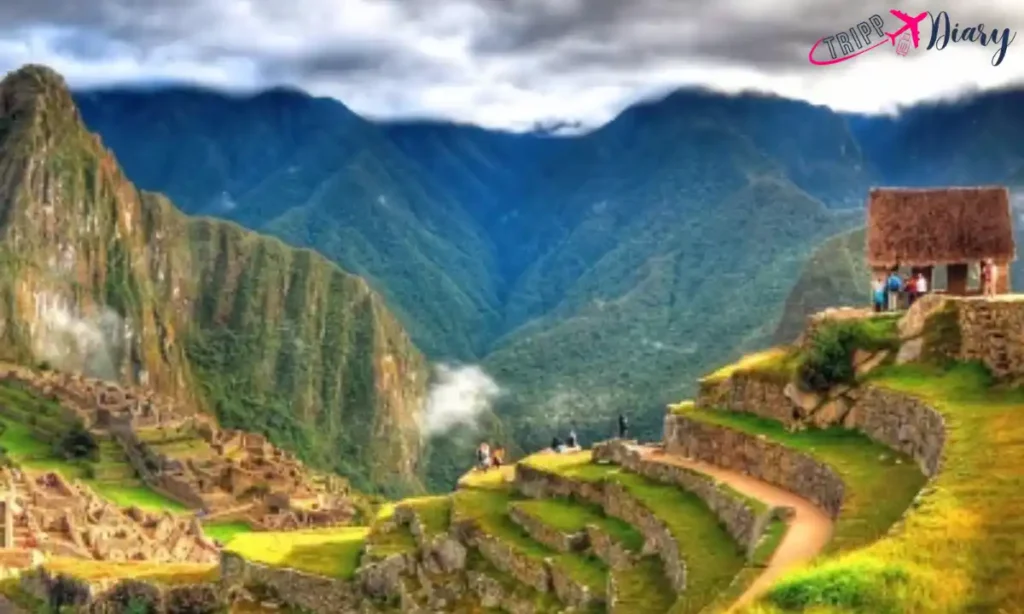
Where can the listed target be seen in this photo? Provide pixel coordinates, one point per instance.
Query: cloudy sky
(502, 63)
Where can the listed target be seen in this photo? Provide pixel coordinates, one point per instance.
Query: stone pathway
(809, 530)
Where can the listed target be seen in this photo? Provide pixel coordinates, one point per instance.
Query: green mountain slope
(103, 278)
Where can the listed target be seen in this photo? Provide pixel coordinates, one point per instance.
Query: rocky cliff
(102, 278)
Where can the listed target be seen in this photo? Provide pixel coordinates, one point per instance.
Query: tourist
(572, 442)
(879, 294)
(498, 457)
(895, 287)
(921, 285)
(988, 277)
(623, 426)
(483, 456)
(556, 445)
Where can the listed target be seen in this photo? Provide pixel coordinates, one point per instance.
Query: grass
(960, 549)
(642, 588)
(161, 573)
(714, 557)
(879, 482)
(573, 517)
(434, 513)
(329, 552)
(489, 508)
(226, 531)
(778, 363)
(769, 542)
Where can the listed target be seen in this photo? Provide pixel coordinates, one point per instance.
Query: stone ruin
(226, 473)
(46, 513)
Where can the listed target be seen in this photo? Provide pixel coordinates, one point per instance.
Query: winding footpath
(809, 530)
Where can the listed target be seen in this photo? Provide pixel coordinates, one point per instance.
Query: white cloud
(458, 397)
(510, 64)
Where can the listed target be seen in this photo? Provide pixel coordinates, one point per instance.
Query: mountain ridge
(210, 314)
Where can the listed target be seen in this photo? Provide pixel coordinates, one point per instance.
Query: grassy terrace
(880, 483)
(715, 557)
(434, 514)
(330, 552)
(572, 517)
(960, 549)
(489, 508)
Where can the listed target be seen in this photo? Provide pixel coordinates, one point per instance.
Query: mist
(68, 341)
(458, 397)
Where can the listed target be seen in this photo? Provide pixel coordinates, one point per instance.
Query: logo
(870, 34)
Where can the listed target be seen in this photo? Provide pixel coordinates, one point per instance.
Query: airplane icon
(909, 23)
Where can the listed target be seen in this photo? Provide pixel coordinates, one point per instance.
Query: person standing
(894, 286)
(623, 426)
(921, 285)
(572, 442)
(879, 294)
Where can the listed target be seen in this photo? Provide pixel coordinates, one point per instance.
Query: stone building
(944, 233)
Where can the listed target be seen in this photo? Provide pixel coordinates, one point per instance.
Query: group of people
(890, 292)
(486, 457)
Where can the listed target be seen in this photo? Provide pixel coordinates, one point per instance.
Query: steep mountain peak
(39, 92)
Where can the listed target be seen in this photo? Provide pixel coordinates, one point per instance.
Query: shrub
(194, 599)
(134, 597)
(829, 359)
(67, 592)
(861, 586)
(78, 443)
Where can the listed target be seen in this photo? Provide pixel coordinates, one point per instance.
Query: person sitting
(556, 445)
(498, 457)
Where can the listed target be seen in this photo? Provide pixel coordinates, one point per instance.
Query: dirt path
(809, 530)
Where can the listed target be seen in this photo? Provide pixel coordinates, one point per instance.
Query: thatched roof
(922, 227)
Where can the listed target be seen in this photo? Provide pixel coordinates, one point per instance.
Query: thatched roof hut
(943, 226)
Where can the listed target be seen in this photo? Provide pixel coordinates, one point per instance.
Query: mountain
(103, 278)
(589, 274)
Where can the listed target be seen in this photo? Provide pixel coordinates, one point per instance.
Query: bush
(829, 359)
(78, 443)
(861, 586)
(195, 599)
(134, 597)
(67, 592)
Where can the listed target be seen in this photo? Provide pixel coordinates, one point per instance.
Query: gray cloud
(509, 62)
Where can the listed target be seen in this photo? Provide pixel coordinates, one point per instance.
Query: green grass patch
(434, 513)
(775, 364)
(769, 542)
(574, 516)
(489, 508)
(713, 557)
(136, 493)
(880, 483)
(643, 588)
(226, 531)
(959, 549)
(329, 552)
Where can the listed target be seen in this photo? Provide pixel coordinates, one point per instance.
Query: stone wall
(971, 329)
(615, 501)
(607, 548)
(737, 513)
(746, 392)
(759, 458)
(901, 422)
(96, 595)
(316, 594)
